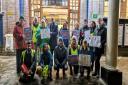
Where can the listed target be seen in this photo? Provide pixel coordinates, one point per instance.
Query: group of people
(54, 51)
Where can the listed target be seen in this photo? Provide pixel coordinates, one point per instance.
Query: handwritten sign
(45, 33)
(65, 34)
(73, 59)
(95, 41)
(84, 60)
(28, 34)
(76, 33)
(87, 36)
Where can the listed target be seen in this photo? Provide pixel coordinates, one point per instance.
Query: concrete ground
(8, 74)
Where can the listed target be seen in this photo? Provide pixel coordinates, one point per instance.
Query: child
(84, 50)
(60, 56)
(74, 50)
(28, 64)
(46, 60)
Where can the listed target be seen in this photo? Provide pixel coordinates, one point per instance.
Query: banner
(73, 59)
(87, 36)
(45, 33)
(84, 60)
(76, 33)
(95, 41)
(28, 34)
(65, 34)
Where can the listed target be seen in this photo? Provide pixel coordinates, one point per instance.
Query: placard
(28, 34)
(65, 34)
(73, 59)
(45, 33)
(126, 35)
(87, 36)
(95, 41)
(76, 33)
(84, 60)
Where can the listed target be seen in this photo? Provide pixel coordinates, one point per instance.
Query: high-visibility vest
(75, 52)
(32, 54)
(34, 29)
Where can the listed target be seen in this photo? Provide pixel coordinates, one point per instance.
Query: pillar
(109, 74)
(112, 34)
(83, 11)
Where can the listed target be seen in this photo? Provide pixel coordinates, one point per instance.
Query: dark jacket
(60, 55)
(81, 38)
(29, 59)
(84, 51)
(54, 33)
(46, 59)
(102, 31)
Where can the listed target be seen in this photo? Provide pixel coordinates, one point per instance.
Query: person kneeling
(60, 58)
(44, 70)
(28, 64)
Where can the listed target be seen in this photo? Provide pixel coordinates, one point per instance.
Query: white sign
(84, 60)
(95, 41)
(45, 33)
(76, 33)
(126, 35)
(87, 36)
(120, 34)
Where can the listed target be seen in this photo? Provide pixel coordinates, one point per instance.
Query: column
(83, 11)
(112, 34)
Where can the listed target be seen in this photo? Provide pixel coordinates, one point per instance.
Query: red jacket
(19, 39)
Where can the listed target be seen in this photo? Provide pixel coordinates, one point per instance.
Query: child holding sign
(87, 59)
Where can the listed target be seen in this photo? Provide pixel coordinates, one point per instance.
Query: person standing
(92, 49)
(82, 30)
(102, 32)
(66, 40)
(54, 33)
(19, 42)
(35, 27)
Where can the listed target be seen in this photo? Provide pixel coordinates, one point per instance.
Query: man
(19, 42)
(60, 58)
(82, 30)
(28, 64)
(102, 32)
(54, 33)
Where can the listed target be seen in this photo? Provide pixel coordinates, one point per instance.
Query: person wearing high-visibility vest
(44, 70)
(28, 64)
(35, 27)
(74, 49)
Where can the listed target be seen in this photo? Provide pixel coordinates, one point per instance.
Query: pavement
(8, 74)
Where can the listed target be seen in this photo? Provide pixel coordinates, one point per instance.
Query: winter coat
(54, 33)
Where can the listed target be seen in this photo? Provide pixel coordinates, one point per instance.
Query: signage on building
(120, 34)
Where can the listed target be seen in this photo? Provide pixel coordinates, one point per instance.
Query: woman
(66, 40)
(46, 59)
(74, 49)
(60, 58)
(84, 50)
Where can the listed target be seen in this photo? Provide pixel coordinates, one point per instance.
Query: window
(55, 2)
